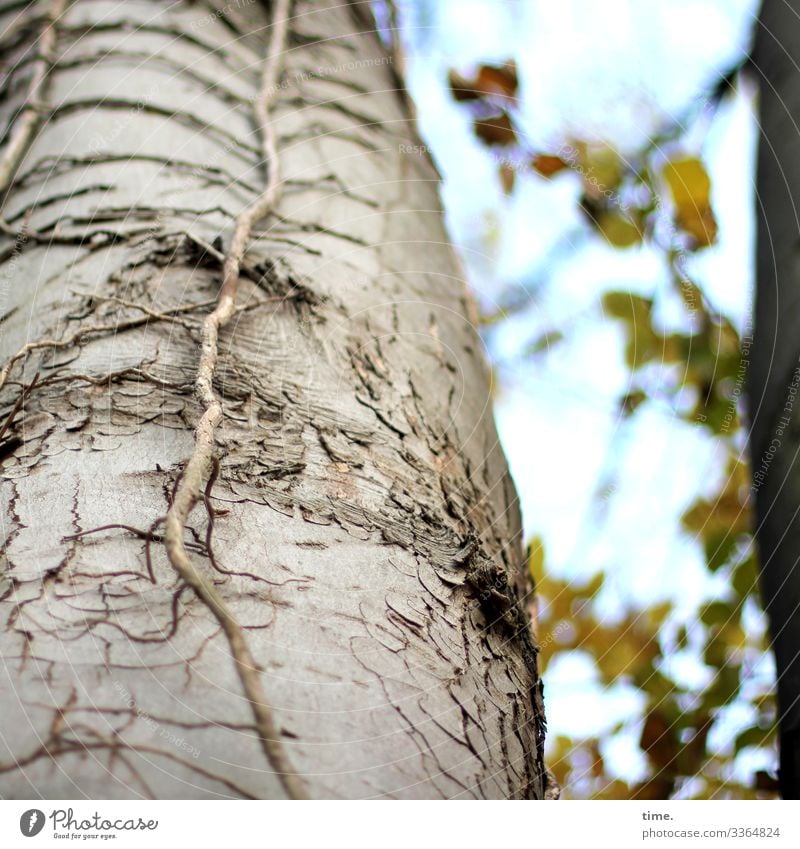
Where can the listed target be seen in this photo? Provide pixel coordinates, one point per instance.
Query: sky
(617, 72)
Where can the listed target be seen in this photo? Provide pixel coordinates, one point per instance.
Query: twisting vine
(201, 462)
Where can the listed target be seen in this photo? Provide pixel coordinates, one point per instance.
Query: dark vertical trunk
(775, 368)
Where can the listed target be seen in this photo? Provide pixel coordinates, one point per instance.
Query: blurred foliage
(661, 196)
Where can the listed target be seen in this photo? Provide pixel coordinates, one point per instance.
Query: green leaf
(744, 580)
(719, 546)
(546, 341)
(617, 230)
(717, 613)
(754, 736)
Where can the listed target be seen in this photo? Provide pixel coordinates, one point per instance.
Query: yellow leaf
(690, 187)
(601, 168)
(628, 306)
(688, 182)
(536, 559)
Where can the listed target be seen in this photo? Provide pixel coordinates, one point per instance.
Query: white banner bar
(403, 825)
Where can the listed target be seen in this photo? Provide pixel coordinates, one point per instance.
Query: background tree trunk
(366, 533)
(775, 369)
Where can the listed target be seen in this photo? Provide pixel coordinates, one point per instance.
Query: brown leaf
(496, 129)
(463, 88)
(547, 165)
(507, 177)
(631, 402)
(598, 764)
(491, 80)
(658, 740)
(764, 781)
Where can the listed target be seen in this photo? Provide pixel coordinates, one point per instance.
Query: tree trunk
(775, 369)
(359, 526)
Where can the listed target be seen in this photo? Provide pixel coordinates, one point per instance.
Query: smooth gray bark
(367, 533)
(775, 368)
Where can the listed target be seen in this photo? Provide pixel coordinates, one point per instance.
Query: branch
(200, 463)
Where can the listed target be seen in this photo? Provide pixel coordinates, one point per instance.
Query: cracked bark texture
(774, 376)
(365, 530)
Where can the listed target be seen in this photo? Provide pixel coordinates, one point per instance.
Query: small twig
(212, 513)
(115, 327)
(20, 401)
(66, 343)
(133, 305)
(148, 539)
(24, 19)
(29, 117)
(94, 239)
(246, 269)
(212, 479)
(148, 536)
